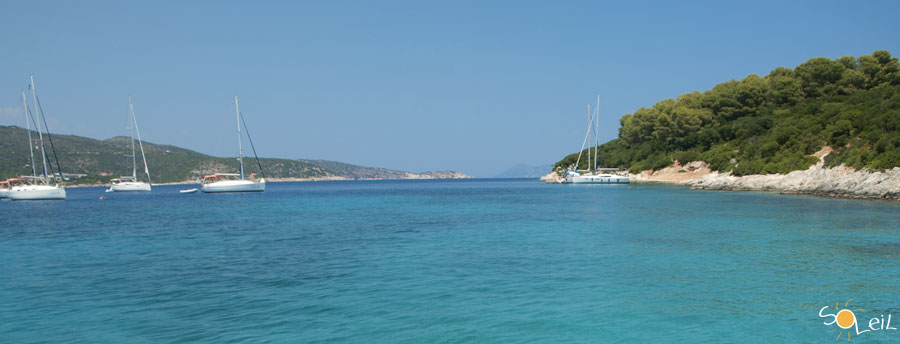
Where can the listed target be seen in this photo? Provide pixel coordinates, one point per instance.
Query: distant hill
(101, 160)
(361, 172)
(526, 171)
(105, 159)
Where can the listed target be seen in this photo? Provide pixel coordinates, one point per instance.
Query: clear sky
(471, 86)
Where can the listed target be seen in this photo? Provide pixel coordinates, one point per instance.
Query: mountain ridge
(100, 160)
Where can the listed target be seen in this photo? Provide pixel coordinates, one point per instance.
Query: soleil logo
(846, 319)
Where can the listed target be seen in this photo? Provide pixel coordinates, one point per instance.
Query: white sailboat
(36, 187)
(603, 178)
(234, 182)
(592, 175)
(131, 183)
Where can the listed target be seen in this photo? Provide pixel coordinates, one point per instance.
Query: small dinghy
(187, 191)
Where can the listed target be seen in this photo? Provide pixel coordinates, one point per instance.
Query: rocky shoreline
(836, 182)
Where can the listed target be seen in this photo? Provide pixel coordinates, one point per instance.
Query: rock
(840, 181)
(675, 174)
(551, 177)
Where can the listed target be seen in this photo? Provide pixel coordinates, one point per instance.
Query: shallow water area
(484, 260)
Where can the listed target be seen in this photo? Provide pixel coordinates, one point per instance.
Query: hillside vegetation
(770, 124)
(107, 159)
(168, 163)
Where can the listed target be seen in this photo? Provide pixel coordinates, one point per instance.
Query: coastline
(836, 182)
(68, 186)
(194, 182)
(413, 176)
(818, 180)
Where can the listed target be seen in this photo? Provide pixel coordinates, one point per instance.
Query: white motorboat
(39, 188)
(131, 183)
(235, 182)
(188, 191)
(592, 174)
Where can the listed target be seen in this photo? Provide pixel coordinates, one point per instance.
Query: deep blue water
(444, 261)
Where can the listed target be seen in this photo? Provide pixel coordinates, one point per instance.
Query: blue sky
(472, 86)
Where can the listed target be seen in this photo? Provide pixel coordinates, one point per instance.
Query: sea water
(445, 261)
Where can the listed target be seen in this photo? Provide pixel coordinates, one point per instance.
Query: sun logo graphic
(846, 319)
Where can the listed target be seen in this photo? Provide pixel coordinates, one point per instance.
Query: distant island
(89, 161)
(828, 127)
(365, 173)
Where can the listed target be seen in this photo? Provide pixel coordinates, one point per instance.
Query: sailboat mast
(237, 112)
(590, 128)
(40, 134)
(584, 142)
(131, 133)
(140, 142)
(28, 129)
(597, 133)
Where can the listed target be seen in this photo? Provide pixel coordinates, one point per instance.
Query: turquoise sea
(482, 260)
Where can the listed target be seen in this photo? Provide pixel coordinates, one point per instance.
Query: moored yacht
(37, 189)
(46, 186)
(131, 183)
(593, 174)
(127, 183)
(231, 182)
(235, 182)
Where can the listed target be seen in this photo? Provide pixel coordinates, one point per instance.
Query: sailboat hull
(4, 193)
(37, 193)
(601, 179)
(129, 186)
(235, 186)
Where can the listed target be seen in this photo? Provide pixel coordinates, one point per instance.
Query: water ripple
(440, 261)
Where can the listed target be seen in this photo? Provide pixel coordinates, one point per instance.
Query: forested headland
(770, 124)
